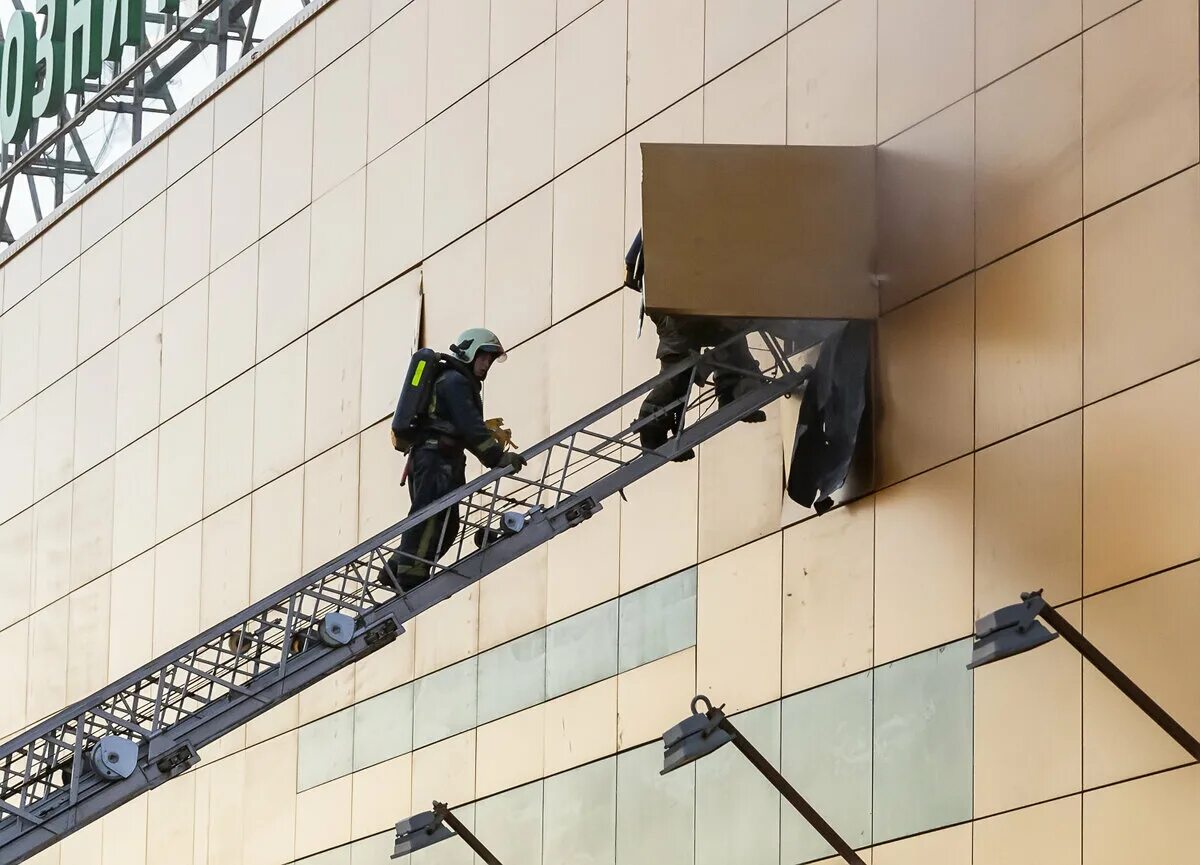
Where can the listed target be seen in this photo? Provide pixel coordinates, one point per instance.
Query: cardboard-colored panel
(143, 256)
(1147, 820)
(926, 382)
(340, 119)
(191, 142)
(452, 285)
(447, 632)
(58, 324)
(926, 59)
(287, 171)
(739, 625)
(100, 299)
(1147, 432)
(923, 566)
(277, 520)
(510, 751)
(270, 804)
(946, 845)
(1050, 829)
(96, 399)
(184, 350)
(733, 31)
(282, 312)
(130, 642)
(1145, 629)
(18, 355)
(225, 563)
(330, 504)
(828, 585)
(516, 26)
(456, 170)
(831, 90)
(55, 446)
(229, 443)
(289, 65)
(280, 383)
(189, 229)
(590, 82)
(1011, 32)
(683, 122)
(52, 548)
(139, 366)
(666, 54)
(135, 492)
(180, 471)
(1130, 335)
(517, 267)
(87, 639)
(521, 128)
(1140, 86)
(91, 524)
(323, 816)
(395, 210)
(1028, 336)
(47, 690)
(1029, 516)
(339, 28)
(238, 105)
(653, 697)
(232, 300)
(16, 570)
(458, 51)
(399, 52)
(237, 170)
(926, 205)
(380, 793)
(445, 771)
(176, 589)
(337, 249)
(764, 219)
(748, 104)
(1028, 152)
(334, 381)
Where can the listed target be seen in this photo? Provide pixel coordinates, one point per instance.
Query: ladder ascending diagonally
(148, 727)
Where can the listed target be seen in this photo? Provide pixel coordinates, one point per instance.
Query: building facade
(199, 353)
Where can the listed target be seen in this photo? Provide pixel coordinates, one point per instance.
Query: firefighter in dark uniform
(681, 337)
(453, 425)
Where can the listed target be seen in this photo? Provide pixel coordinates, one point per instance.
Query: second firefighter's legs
(663, 404)
(730, 384)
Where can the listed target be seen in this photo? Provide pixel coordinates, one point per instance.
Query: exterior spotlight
(702, 733)
(1013, 630)
(430, 827)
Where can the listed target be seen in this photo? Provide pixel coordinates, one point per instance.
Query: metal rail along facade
(149, 726)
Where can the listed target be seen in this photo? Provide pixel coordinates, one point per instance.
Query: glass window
(581, 815)
(737, 809)
(376, 850)
(658, 620)
(383, 727)
(444, 703)
(581, 650)
(923, 742)
(452, 851)
(510, 824)
(512, 677)
(827, 757)
(656, 814)
(325, 749)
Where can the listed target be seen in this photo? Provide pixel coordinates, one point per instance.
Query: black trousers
(432, 473)
(735, 354)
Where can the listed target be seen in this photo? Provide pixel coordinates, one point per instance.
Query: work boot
(755, 417)
(409, 576)
(689, 454)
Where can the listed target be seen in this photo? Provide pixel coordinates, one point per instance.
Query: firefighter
(452, 425)
(681, 337)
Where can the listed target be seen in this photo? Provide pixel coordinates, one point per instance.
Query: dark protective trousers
(433, 472)
(735, 354)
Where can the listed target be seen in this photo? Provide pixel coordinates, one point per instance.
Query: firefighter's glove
(511, 460)
(500, 433)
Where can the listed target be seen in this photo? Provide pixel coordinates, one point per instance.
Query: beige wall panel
(584, 362)
(60, 243)
(458, 51)
(16, 568)
(102, 210)
(270, 805)
(740, 478)
(170, 820)
(334, 381)
(100, 299)
(232, 300)
(583, 566)
(23, 273)
(17, 443)
(332, 693)
(1145, 628)
(237, 174)
(96, 399)
(189, 229)
(521, 128)
(125, 834)
(518, 390)
(191, 142)
(748, 104)
(19, 352)
(225, 563)
(569, 10)
(734, 30)
(452, 284)
(143, 257)
(666, 54)
(385, 669)
(516, 26)
(653, 697)
(395, 210)
(279, 719)
(944, 846)
(1095, 11)
(923, 584)
(55, 445)
(47, 691)
(380, 793)
(828, 580)
(588, 231)
(517, 267)
(330, 504)
(83, 847)
(176, 590)
(340, 26)
(682, 123)
(1141, 290)
(926, 59)
(398, 54)
(227, 810)
(590, 82)
(512, 601)
(135, 503)
(58, 324)
(800, 11)
(1028, 336)
(337, 249)
(926, 382)
(510, 751)
(283, 285)
(831, 90)
(229, 443)
(139, 370)
(1144, 433)
(238, 105)
(1009, 714)
(184, 350)
(91, 524)
(446, 633)
(1029, 516)
(581, 726)
(739, 625)
(52, 548)
(445, 771)
(130, 642)
(289, 65)
(145, 178)
(1148, 820)
(926, 204)
(340, 119)
(391, 328)
(456, 171)
(180, 471)
(1050, 829)
(382, 502)
(1011, 32)
(286, 175)
(14, 676)
(277, 520)
(1140, 116)
(280, 383)
(87, 639)
(1028, 151)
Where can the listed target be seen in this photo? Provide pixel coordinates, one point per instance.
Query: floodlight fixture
(1012, 630)
(429, 827)
(704, 732)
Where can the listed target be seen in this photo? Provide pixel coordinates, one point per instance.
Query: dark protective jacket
(456, 413)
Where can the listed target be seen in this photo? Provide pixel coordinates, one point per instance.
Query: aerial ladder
(149, 726)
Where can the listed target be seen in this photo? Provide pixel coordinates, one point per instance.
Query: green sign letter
(48, 98)
(16, 80)
(83, 42)
(122, 26)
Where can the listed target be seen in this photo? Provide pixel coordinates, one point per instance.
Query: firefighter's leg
(730, 384)
(666, 394)
(431, 478)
